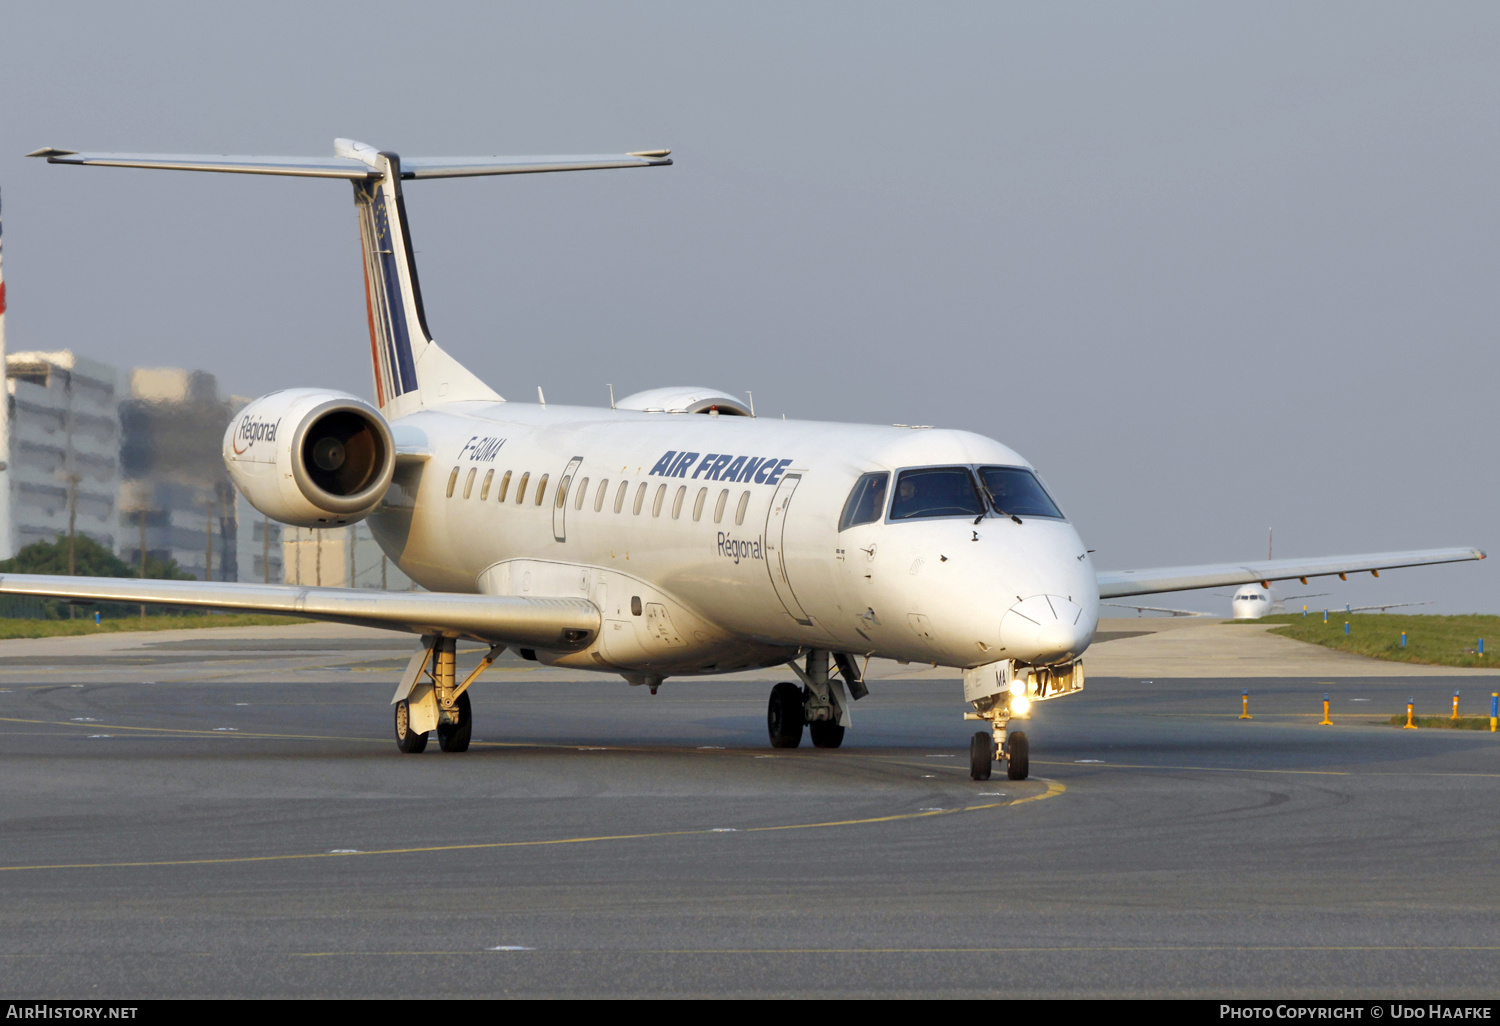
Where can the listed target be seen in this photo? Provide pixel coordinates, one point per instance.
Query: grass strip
(1443, 722)
(70, 628)
(1430, 640)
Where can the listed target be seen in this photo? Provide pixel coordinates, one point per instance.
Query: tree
(90, 559)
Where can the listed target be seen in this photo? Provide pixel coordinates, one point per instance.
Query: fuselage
(713, 543)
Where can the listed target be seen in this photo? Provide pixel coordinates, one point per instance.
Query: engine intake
(310, 457)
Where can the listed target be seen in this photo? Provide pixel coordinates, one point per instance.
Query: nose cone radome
(1046, 629)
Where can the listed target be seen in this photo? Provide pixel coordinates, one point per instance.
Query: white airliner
(671, 534)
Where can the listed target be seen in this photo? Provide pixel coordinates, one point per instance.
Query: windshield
(866, 502)
(936, 492)
(1015, 491)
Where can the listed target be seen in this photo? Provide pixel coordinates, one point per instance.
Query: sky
(1212, 269)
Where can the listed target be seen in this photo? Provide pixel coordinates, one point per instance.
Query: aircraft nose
(1045, 629)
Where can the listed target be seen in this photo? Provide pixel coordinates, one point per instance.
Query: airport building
(140, 471)
(63, 468)
(176, 499)
(339, 557)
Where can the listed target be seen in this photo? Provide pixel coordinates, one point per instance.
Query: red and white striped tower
(6, 548)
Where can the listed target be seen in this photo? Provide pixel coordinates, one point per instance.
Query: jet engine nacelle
(310, 457)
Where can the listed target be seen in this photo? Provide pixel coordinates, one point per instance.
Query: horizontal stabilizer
(557, 624)
(1123, 583)
(351, 168)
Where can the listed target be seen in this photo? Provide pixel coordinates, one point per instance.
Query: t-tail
(410, 369)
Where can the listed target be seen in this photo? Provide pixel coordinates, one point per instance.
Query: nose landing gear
(986, 748)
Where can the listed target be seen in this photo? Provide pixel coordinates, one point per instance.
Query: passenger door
(775, 549)
(564, 496)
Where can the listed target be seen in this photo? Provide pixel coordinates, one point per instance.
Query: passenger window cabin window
(469, 481)
(739, 513)
(562, 492)
(1016, 491)
(484, 486)
(541, 489)
(504, 487)
(719, 506)
(452, 480)
(677, 501)
(521, 488)
(866, 502)
(599, 499)
(936, 492)
(620, 496)
(661, 493)
(698, 504)
(583, 493)
(640, 498)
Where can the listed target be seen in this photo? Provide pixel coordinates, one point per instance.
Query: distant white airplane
(670, 534)
(1248, 603)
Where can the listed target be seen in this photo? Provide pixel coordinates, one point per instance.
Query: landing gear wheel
(784, 716)
(1018, 766)
(407, 740)
(826, 733)
(981, 755)
(454, 737)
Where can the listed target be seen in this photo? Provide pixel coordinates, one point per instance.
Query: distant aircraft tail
(411, 370)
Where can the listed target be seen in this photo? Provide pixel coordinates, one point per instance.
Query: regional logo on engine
(253, 430)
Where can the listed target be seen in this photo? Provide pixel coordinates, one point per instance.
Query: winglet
(52, 151)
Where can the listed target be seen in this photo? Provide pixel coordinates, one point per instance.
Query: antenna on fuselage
(539, 397)
(611, 395)
(752, 402)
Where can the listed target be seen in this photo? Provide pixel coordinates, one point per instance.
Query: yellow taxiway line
(1053, 790)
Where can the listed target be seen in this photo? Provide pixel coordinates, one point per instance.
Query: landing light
(1018, 688)
(1020, 705)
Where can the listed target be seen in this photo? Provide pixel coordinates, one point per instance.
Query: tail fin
(404, 356)
(411, 370)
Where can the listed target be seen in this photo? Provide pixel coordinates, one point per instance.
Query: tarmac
(224, 813)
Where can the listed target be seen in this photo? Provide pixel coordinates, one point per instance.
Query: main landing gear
(821, 703)
(427, 698)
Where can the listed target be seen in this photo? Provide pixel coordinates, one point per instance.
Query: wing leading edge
(558, 624)
(1124, 583)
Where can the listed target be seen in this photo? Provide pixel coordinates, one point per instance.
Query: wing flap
(555, 624)
(1124, 583)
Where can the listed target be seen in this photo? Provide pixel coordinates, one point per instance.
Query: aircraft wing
(1123, 583)
(1388, 605)
(559, 624)
(1157, 609)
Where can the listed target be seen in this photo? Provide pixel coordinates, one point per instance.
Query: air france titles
(481, 450)
(721, 467)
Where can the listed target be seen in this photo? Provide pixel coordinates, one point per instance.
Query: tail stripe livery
(389, 302)
(393, 297)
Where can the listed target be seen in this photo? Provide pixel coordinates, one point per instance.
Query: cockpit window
(1015, 491)
(866, 502)
(936, 492)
